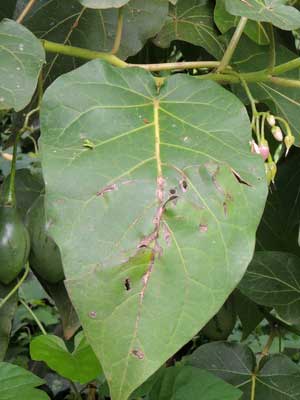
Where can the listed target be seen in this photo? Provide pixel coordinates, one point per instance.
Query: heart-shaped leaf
(80, 366)
(278, 377)
(103, 3)
(164, 215)
(21, 59)
(186, 382)
(191, 21)
(255, 30)
(274, 11)
(273, 279)
(15, 380)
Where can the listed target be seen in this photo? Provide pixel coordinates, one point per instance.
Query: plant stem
(38, 322)
(272, 60)
(177, 65)
(52, 47)
(233, 44)
(11, 196)
(26, 10)
(75, 390)
(119, 32)
(16, 287)
(225, 78)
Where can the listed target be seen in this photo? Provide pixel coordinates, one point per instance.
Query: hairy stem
(233, 44)
(119, 32)
(26, 10)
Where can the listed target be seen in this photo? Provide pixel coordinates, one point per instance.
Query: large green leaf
(80, 366)
(274, 11)
(155, 218)
(282, 101)
(21, 59)
(16, 381)
(225, 21)
(191, 21)
(95, 29)
(273, 279)
(278, 377)
(186, 383)
(6, 315)
(103, 3)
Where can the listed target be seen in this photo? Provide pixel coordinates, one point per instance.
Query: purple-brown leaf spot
(138, 354)
(92, 314)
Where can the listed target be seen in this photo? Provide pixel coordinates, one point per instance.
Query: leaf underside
(156, 221)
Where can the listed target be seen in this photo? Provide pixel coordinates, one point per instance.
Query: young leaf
(278, 377)
(273, 279)
(103, 3)
(80, 366)
(225, 21)
(16, 381)
(274, 11)
(186, 382)
(6, 315)
(165, 213)
(191, 21)
(21, 59)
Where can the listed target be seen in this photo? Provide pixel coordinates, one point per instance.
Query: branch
(26, 10)
(223, 78)
(119, 32)
(233, 44)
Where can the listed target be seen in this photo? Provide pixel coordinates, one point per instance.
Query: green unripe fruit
(44, 256)
(14, 244)
(222, 324)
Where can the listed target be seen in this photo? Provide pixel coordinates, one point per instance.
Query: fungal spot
(146, 121)
(109, 188)
(138, 354)
(203, 228)
(127, 284)
(92, 314)
(239, 178)
(225, 208)
(183, 185)
(172, 191)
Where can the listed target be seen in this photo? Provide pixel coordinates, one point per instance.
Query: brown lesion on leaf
(203, 228)
(106, 189)
(138, 354)
(127, 284)
(183, 185)
(239, 178)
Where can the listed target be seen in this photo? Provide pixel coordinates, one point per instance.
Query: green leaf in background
(274, 11)
(278, 377)
(16, 382)
(186, 383)
(225, 21)
(279, 227)
(7, 8)
(94, 29)
(166, 207)
(21, 60)
(191, 21)
(7, 312)
(80, 366)
(248, 313)
(282, 101)
(103, 3)
(273, 279)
